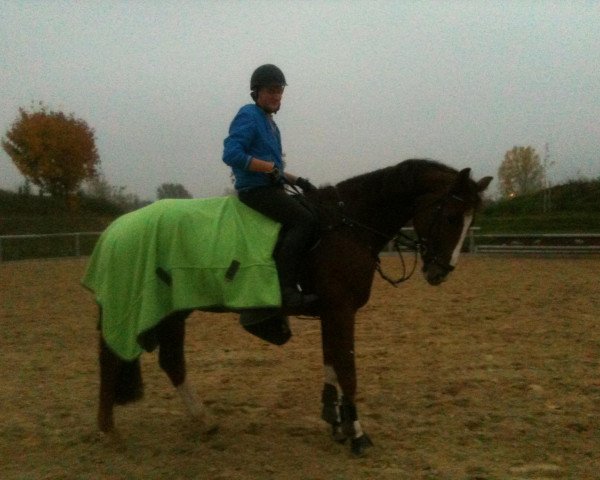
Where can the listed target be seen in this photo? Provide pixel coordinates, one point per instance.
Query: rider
(253, 150)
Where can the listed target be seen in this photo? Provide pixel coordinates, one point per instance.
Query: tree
(54, 151)
(520, 172)
(99, 188)
(172, 190)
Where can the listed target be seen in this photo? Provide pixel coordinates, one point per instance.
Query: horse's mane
(385, 198)
(391, 191)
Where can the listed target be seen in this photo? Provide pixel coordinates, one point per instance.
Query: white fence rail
(539, 243)
(15, 247)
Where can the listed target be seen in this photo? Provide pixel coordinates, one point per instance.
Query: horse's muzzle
(435, 272)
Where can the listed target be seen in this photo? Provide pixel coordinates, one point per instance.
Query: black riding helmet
(266, 76)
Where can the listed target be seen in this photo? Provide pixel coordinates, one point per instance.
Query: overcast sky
(370, 83)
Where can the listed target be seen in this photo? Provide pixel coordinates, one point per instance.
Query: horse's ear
(484, 183)
(462, 181)
(464, 174)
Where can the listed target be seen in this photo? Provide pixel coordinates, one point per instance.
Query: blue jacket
(252, 134)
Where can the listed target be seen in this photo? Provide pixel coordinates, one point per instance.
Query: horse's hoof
(210, 428)
(113, 437)
(106, 423)
(208, 424)
(359, 445)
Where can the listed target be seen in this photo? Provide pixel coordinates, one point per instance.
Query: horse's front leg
(340, 371)
(332, 400)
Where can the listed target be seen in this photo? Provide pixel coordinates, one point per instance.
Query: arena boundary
(81, 244)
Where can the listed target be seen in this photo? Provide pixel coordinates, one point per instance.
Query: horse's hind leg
(171, 358)
(120, 383)
(109, 369)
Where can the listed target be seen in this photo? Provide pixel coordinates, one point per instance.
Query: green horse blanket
(175, 255)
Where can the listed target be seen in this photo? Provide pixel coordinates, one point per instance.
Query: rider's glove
(274, 175)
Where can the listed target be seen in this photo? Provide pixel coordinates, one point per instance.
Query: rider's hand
(274, 174)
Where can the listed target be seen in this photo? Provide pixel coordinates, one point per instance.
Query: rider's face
(269, 98)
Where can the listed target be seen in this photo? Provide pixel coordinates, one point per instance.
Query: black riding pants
(299, 227)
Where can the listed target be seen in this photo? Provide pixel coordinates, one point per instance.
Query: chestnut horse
(359, 217)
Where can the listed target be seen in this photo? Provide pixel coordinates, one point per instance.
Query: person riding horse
(253, 150)
(125, 275)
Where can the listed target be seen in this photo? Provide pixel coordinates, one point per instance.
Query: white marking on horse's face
(467, 219)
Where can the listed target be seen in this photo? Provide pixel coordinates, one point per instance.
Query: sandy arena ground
(493, 375)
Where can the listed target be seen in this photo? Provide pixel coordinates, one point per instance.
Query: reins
(397, 244)
(398, 241)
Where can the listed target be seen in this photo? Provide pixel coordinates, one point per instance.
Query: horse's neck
(368, 206)
(385, 200)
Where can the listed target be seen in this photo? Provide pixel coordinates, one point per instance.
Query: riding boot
(288, 264)
(294, 300)
(291, 297)
(298, 231)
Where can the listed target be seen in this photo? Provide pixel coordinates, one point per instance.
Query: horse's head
(441, 222)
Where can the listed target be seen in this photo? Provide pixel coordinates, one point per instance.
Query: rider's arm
(237, 144)
(258, 165)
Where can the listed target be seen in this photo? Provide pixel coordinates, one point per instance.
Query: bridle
(441, 203)
(402, 241)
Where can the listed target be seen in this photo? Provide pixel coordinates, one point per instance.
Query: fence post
(77, 249)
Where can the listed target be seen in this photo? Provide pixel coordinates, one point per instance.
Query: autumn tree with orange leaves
(54, 151)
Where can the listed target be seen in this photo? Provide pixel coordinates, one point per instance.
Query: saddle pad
(179, 255)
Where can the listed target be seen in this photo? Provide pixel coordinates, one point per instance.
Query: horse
(359, 217)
